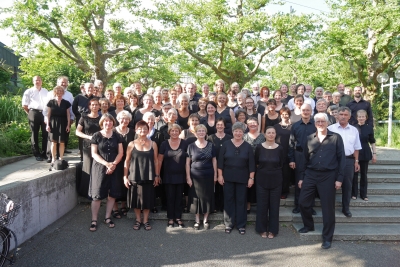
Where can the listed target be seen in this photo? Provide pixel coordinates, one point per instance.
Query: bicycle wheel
(4, 244)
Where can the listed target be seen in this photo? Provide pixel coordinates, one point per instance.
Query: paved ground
(68, 242)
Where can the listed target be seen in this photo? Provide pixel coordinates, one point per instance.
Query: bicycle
(9, 209)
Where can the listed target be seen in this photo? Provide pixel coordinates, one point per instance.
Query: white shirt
(34, 98)
(256, 98)
(307, 100)
(66, 96)
(350, 136)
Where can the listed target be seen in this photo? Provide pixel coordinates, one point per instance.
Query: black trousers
(36, 123)
(324, 183)
(299, 159)
(288, 176)
(235, 204)
(174, 194)
(363, 181)
(219, 197)
(347, 184)
(268, 201)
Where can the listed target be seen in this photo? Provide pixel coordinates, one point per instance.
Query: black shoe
(67, 151)
(39, 158)
(326, 245)
(48, 160)
(314, 212)
(248, 211)
(305, 230)
(44, 156)
(296, 210)
(347, 214)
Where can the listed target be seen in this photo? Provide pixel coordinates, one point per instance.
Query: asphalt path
(68, 242)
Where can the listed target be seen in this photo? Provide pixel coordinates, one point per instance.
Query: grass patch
(381, 135)
(11, 109)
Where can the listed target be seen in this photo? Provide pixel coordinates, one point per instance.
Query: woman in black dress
(141, 164)
(232, 99)
(277, 95)
(172, 158)
(127, 135)
(104, 106)
(58, 122)
(271, 117)
(283, 130)
(209, 120)
(296, 112)
(132, 106)
(269, 160)
(201, 175)
(262, 103)
(87, 126)
(147, 107)
(170, 117)
(365, 155)
(107, 152)
(218, 139)
(252, 111)
(183, 111)
(223, 111)
(202, 107)
(236, 173)
(119, 103)
(190, 134)
(254, 138)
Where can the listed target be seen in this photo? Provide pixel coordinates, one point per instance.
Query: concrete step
(374, 201)
(383, 177)
(376, 189)
(360, 215)
(285, 215)
(355, 232)
(374, 168)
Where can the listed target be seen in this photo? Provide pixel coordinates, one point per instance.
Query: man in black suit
(322, 171)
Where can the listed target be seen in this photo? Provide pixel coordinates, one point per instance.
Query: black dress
(189, 136)
(58, 120)
(219, 189)
(210, 129)
(269, 122)
(282, 138)
(89, 127)
(126, 139)
(101, 184)
(227, 117)
(141, 175)
(269, 180)
(201, 195)
(174, 176)
(139, 115)
(183, 121)
(251, 192)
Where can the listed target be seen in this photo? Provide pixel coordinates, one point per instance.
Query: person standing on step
(297, 142)
(34, 101)
(322, 171)
(352, 145)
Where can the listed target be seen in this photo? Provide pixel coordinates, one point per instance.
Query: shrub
(11, 109)
(15, 139)
(381, 135)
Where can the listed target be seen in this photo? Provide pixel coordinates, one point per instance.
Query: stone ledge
(5, 161)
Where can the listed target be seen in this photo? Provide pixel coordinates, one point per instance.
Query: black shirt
(356, 106)
(298, 136)
(366, 137)
(327, 155)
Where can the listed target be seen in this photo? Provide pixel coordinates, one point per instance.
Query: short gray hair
(341, 109)
(183, 95)
(123, 114)
(238, 126)
(336, 94)
(148, 115)
(321, 116)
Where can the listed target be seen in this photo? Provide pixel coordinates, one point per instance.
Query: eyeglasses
(248, 103)
(320, 122)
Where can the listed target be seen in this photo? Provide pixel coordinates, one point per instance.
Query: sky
(300, 6)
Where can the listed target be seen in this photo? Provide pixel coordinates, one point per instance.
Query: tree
(90, 34)
(365, 34)
(234, 41)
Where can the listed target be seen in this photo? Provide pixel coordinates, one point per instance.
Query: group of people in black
(225, 150)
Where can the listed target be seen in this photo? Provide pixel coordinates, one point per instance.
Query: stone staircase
(375, 220)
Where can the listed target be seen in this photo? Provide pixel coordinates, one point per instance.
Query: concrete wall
(44, 200)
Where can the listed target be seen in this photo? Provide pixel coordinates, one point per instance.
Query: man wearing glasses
(322, 171)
